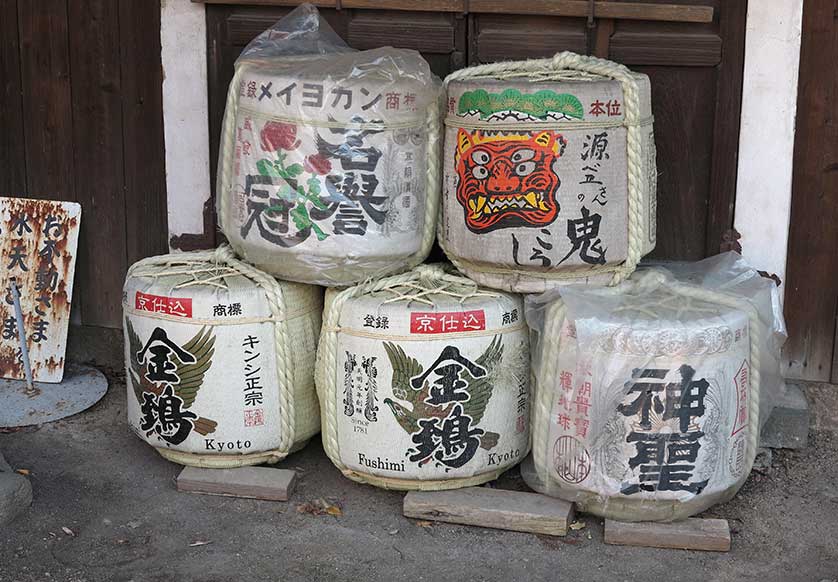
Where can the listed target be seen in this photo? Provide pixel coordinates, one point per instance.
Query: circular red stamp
(571, 459)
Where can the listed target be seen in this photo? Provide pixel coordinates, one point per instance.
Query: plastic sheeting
(328, 168)
(649, 396)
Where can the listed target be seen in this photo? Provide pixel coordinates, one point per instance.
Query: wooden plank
(318, 3)
(722, 198)
(604, 30)
(495, 508)
(500, 38)
(47, 107)
(423, 32)
(12, 137)
(710, 535)
(619, 10)
(811, 284)
(249, 482)
(146, 219)
(674, 49)
(683, 102)
(427, 5)
(98, 157)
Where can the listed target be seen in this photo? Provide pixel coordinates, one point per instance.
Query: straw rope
(562, 67)
(224, 258)
(551, 344)
(424, 280)
(432, 187)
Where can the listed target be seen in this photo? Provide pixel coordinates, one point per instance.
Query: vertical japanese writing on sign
(254, 413)
(38, 241)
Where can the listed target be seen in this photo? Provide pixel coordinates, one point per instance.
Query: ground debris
(68, 531)
(320, 507)
(197, 543)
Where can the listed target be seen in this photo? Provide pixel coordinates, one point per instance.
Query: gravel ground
(106, 508)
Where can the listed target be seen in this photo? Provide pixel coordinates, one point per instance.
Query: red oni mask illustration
(508, 180)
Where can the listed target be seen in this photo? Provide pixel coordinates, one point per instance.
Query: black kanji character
(46, 278)
(452, 444)
(219, 310)
(596, 146)
(21, 223)
(160, 365)
(49, 251)
(265, 91)
(312, 95)
(39, 331)
(584, 237)
(338, 93)
(16, 257)
(52, 223)
(234, 309)
(287, 93)
(9, 328)
(250, 341)
(164, 415)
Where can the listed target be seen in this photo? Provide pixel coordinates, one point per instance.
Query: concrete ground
(106, 508)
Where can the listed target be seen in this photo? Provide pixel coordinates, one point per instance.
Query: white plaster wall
(766, 140)
(185, 113)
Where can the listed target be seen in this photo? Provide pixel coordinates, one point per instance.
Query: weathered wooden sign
(38, 241)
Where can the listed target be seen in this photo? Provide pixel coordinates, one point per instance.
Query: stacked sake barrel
(647, 395)
(219, 361)
(423, 380)
(549, 172)
(328, 170)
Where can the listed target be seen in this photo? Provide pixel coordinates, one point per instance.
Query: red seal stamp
(571, 459)
(254, 417)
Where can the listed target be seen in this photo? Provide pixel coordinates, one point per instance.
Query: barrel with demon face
(219, 359)
(647, 398)
(328, 169)
(549, 172)
(423, 380)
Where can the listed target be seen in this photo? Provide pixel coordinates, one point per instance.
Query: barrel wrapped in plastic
(423, 380)
(328, 170)
(549, 172)
(219, 359)
(649, 396)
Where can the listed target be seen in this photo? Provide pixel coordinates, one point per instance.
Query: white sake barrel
(646, 399)
(549, 172)
(328, 169)
(423, 380)
(219, 359)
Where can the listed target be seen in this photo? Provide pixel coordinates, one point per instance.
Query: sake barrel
(219, 359)
(328, 169)
(647, 398)
(549, 172)
(423, 381)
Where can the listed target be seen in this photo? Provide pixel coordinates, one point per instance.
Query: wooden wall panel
(146, 215)
(98, 158)
(12, 138)
(811, 301)
(82, 120)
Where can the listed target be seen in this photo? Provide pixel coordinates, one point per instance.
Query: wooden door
(693, 51)
(811, 302)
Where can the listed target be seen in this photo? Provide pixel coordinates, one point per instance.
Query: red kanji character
(582, 404)
(248, 124)
(564, 421)
(597, 108)
(426, 323)
(471, 321)
(613, 107)
(392, 100)
(566, 380)
(251, 89)
(409, 99)
(449, 322)
(582, 425)
(585, 389)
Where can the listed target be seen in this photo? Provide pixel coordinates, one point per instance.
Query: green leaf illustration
(266, 168)
(294, 170)
(313, 186)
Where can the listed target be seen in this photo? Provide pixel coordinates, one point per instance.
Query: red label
(177, 306)
(742, 382)
(448, 321)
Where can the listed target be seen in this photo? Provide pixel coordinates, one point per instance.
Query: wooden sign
(38, 241)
